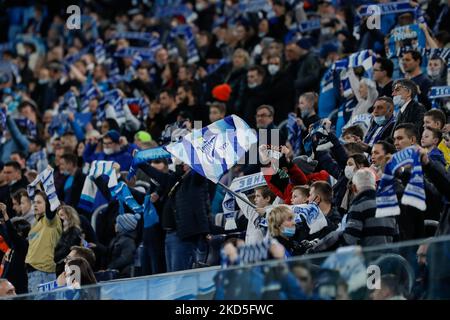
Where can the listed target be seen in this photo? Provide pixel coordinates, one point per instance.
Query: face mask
(65, 173)
(273, 69)
(43, 81)
(200, 6)
(398, 101)
(12, 182)
(288, 232)
(327, 31)
(108, 151)
(349, 171)
(252, 85)
(433, 73)
(380, 120)
(261, 34)
(304, 114)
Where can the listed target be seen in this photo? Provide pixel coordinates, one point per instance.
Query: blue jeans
(182, 254)
(153, 260)
(35, 278)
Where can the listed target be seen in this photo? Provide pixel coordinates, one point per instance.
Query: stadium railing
(349, 272)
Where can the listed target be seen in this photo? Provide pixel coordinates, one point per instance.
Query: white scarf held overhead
(46, 177)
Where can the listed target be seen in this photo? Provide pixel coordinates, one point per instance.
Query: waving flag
(213, 150)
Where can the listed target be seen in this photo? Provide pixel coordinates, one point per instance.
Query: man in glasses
(403, 92)
(382, 75)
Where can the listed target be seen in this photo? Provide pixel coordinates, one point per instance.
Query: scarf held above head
(414, 194)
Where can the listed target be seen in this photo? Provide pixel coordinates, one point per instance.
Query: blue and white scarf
(26, 123)
(38, 161)
(46, 177)
(414, 194)
(186, 32)
(438, 93)
(89, 192)
(122, 193)
(294, 133)
(312, 215)
(146, 156)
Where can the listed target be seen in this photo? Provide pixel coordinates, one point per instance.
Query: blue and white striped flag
(213, 150)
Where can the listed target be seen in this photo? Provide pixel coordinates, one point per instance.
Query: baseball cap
(114, 135)
(143, 136)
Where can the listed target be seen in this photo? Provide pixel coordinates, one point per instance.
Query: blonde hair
(72, 216)
(277, 216)
(244, 54)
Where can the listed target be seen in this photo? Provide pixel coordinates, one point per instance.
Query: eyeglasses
(107, 143)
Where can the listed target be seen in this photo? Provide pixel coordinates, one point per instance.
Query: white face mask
(252, 85)
(433, 73)
(398, 101)
(108, 151)
(349, 171)
(273, 69)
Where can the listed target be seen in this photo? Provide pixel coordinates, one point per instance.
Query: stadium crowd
(361, 117)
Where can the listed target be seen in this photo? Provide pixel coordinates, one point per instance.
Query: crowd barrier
(348, 273)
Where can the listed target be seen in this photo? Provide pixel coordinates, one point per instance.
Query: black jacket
(14, 266)
(281, 95)
(69, 238)
(121, 253)
(192, 206)
(75, 190)
(441, 180)
(308, 75)
(413, 114)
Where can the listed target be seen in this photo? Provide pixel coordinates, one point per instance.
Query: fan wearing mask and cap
(281, 94)
(111, 151)
(383, 120)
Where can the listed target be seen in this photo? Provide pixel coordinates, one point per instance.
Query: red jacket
(281, 184)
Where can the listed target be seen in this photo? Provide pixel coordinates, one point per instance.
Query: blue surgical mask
(288, 232)
(379, 120)
(304, 114)
(398, 101)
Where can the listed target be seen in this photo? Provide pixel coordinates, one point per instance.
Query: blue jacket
(122, 157)
(17, 142)
(436, 155)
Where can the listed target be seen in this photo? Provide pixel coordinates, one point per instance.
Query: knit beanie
(127, 222)
(222, 92)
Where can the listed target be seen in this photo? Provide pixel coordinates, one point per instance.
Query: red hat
(222, 92)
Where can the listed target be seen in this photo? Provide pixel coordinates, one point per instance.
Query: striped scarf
(414, 194)
(46, 177)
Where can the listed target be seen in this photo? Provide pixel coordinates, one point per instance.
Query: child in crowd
(300, 195)
(263, 200)
(430, 140)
